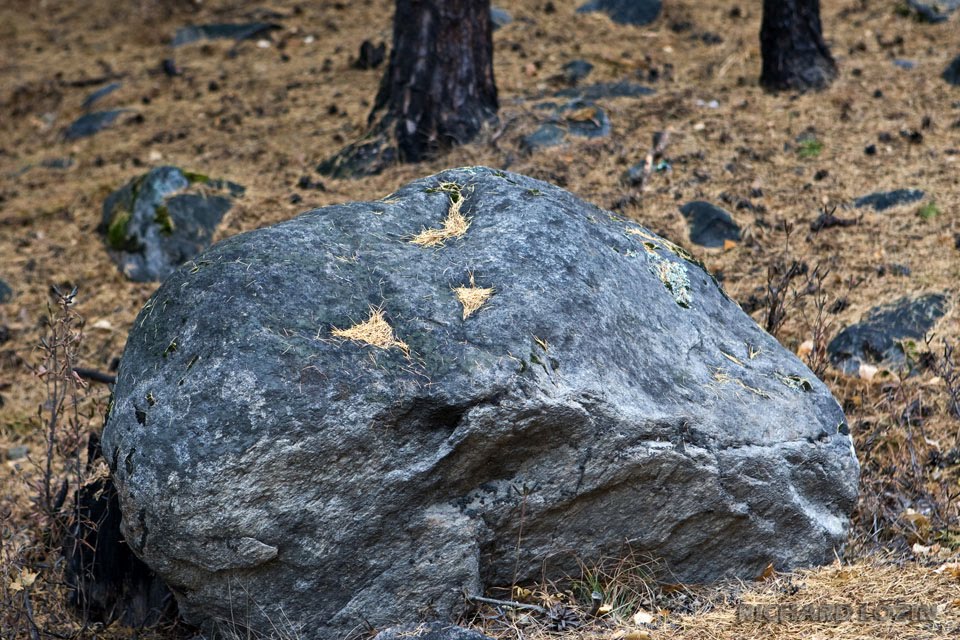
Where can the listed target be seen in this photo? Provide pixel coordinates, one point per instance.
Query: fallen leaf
(642, 617)
(767, 573)
(805, 348)
(950, 568)
(729, 244)
(867, 371)
(920, 550)
(637, 634)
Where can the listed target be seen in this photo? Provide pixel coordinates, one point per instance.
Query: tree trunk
(106, 581)
(437, 92)
(791, 43)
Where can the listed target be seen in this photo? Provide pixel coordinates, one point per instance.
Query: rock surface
(349, 416)
(499, 18)
(429, 631)
(883, 200)
(878, 339)
(710, 226)
(634, 12)
(160, 220)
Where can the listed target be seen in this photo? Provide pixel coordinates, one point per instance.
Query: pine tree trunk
(438, 90)
(791, 43)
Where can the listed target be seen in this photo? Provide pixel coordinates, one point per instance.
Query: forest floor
(264, 113)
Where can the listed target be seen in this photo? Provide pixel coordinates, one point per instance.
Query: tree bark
(437, 92)
(791, 43)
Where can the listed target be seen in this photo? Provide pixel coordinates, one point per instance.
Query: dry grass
(472, 297)
(374, 331)
(455, 225)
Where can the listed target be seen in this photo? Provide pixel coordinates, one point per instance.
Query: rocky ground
(801, 242)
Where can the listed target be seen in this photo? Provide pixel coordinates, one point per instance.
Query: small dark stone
(91, 123)
(499, 17)
(99, 94)
(170, 68)
(632, 12)
(821, 174)
(295, 198)
(213, 85)
(576, 70)
(4, 334)
(878, 338)
(839, 305)
(371, 56)
(877, 93)
(681, 26)
(952, 73)
(912, 136)
(870, 149)
(883, 200)
(606, 90)
(710, 226)
(306, 182)
(194, 33)
(710, 38)
(893, 269)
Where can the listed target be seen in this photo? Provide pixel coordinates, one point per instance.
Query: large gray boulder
(357, 415)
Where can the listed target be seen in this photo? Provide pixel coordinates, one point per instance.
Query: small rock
(952, 73)
(18, 452)
(606, 90)
(547, 135)
(91, 123)
(306, 182)
(5, 292)
(164, 218)
(576, 70)
(245, 31)
(56, 163)
(883, 200)
(710, 226)
(371, 56)
(170, 68)
(934, 11)
(879, 338)
(499, 17)
(4, 334)
(870, 149)
(905, 64)
(429, 631)
(632, 12)
(99, 94)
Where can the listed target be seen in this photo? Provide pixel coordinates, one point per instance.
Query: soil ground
(265, 113)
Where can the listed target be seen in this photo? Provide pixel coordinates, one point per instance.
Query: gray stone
(547, 135)
(883, 200)
(18, 452)
(99, 95)
(576, 70)
(633, 12)
(430, 631)
(245, 31)
(270, 460)
(952, 73)
(160, 220)
(882, 338)
(934, 10)
(91, 123)
(579, 118)
(499, 17)
(710, 226)
(602, 90)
